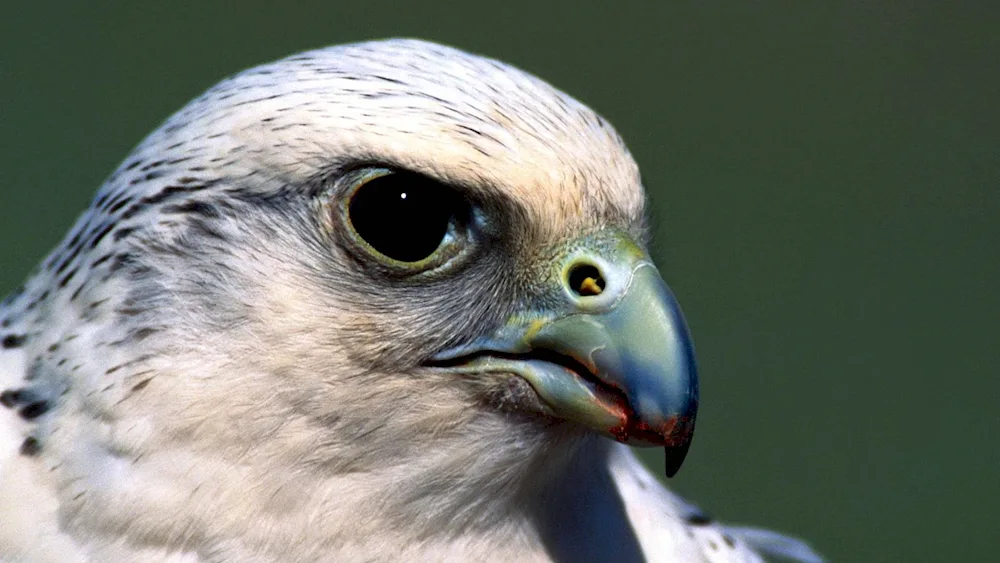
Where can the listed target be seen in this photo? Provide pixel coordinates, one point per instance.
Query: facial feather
(211, 341)
(208, 369)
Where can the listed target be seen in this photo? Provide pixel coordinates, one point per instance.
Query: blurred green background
(824, 181)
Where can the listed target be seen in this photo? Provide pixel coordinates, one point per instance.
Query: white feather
(221, 394)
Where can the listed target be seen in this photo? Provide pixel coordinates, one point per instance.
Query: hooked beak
(610, 351)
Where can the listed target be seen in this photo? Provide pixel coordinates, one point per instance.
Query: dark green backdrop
(825, 190)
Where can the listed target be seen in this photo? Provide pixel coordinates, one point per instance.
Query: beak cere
(616, 356)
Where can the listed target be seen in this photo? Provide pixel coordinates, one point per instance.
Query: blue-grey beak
(611, 350)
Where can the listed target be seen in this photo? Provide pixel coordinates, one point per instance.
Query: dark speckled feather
(203, 370)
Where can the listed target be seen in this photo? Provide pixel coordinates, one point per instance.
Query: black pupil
(403, 216)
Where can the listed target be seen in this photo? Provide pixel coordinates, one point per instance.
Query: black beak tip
(674, 456)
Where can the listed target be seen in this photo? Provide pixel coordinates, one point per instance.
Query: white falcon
(385, 301)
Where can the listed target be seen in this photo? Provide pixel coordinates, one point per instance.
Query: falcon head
(377, 263)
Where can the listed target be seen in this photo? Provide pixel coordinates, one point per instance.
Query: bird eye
(403, 216)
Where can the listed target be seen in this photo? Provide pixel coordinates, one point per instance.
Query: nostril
(586, 280)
